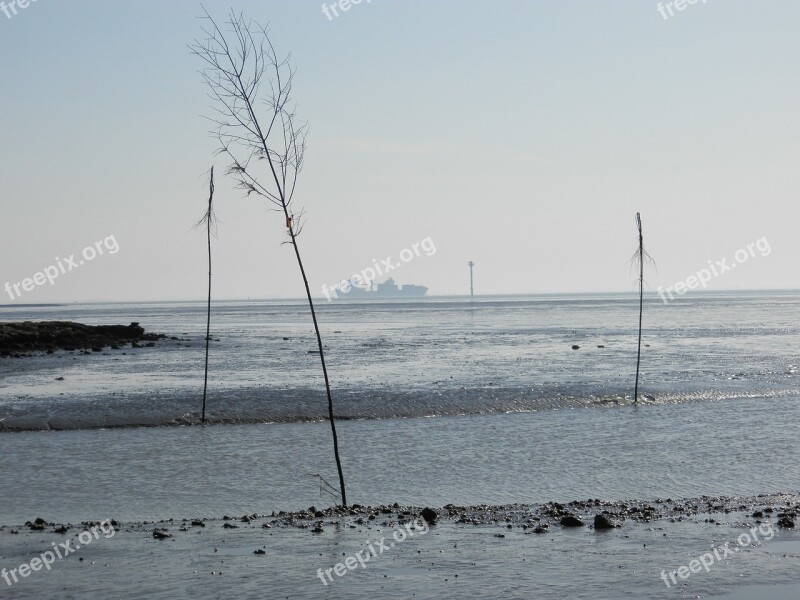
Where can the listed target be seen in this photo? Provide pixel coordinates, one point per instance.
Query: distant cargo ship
(387, 289)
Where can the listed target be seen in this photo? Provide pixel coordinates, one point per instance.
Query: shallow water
(422, 358)
(515, 416)
(446, 561)
(735, 447)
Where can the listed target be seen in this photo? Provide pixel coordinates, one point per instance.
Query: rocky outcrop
(571, 521)
(48, 336)
(601, 521)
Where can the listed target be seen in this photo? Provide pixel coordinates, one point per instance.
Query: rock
(540, 529)
(48, 336)
(317, 529)
(786, 522)
(429, 515)
(571, 521)
(603, 522)
(758, 514)
(198, 523)
(37, 525)
(62, 529)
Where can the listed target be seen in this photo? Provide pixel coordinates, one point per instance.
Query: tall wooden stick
(640, 258)
(209, 218)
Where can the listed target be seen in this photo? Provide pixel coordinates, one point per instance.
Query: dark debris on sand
(581, 515)
(592, 514)
(19, 338)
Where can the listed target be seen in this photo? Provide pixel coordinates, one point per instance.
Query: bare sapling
(209, 222)
(639, 260)
(259, 132)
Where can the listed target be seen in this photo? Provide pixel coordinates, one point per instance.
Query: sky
(522, 135)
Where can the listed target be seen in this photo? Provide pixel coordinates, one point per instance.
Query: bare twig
(325, 487)
(639, 259)
(259, 131)
(209, 221)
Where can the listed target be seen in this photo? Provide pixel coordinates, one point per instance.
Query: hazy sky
(524, 135)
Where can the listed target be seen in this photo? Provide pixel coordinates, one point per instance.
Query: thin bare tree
(259, 131)
(209, 222)
(639, 258)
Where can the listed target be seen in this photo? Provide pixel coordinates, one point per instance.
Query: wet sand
(516, 551)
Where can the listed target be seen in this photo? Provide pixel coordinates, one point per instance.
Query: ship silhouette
(387, 289)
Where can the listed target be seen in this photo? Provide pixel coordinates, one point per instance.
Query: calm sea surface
(448, 402)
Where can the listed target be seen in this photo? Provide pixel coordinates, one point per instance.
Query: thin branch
(640, 258)
(210, 221)
(236, 73)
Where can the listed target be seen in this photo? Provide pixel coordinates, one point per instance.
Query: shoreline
(766, 507)
(463, 552)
